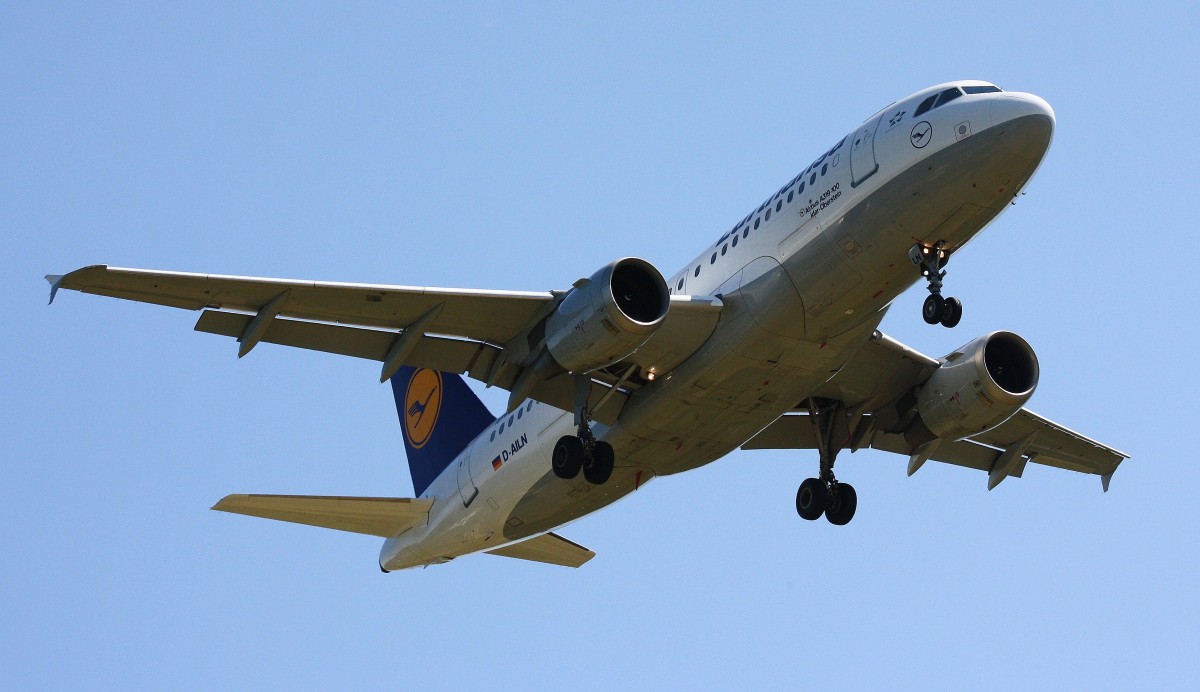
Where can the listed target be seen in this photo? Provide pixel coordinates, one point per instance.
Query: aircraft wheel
(567, 457)
(601, 467)
(812, 498)
(842, 505)
(933, 309)
(951, 312)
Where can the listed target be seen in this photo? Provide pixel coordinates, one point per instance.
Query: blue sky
(521, 146)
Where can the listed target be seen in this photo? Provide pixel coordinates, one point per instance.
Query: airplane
(768, 339)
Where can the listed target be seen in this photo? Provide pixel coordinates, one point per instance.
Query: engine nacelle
(976, 388)
(608, 316)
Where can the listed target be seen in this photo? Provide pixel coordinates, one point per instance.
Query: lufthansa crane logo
(422, 404)
(920, 134)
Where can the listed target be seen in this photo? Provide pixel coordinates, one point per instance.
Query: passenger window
(510, 420)
(734, 243)
(801, 188)
(529, 406)
(981, 89)
(713, 259)
(768, 217)
(789, 198)
(724, 249)
(679, 287)
(697, 271)
(756, 224)
(947, 96)
(779, 204)
(925, 105)
(745, 233)
(501, 427)
(493, 437)
(824, 169)
(813, 179)
(519, 412)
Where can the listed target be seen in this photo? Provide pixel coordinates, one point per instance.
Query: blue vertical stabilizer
(440, 416)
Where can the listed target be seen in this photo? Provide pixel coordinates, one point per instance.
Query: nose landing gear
(936, 309)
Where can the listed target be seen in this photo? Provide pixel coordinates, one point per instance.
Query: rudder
(439, 416)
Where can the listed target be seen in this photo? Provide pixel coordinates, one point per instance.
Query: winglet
(55, 281)
(1104, 479)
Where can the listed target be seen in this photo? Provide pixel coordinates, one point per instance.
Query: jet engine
(976, 388)
(605, 318)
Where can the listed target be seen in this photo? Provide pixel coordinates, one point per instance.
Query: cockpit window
(925, 105)
(947, 96)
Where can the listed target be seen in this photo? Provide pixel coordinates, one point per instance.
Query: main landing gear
(936, 309)
(573, 453)
(583, 451)
(825, 495)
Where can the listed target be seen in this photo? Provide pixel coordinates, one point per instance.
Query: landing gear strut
(947, 311)
(583, 450)
(824, 494)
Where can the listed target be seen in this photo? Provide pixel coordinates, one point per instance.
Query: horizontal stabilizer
(549, 548)
(375, 516)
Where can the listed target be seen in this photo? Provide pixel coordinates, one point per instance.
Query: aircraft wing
(884, 370)
(491, 316)
(473, 332)
(374, 516)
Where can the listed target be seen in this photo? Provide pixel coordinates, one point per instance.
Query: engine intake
(605, 318)
(976, 388)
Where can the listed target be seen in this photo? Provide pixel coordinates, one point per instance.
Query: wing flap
(794, 431)
(549, 548)
(435, 353)
(473, 359)
(1051, 445)
(374, 516)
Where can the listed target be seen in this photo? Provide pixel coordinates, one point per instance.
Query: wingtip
(55, 281)
(222, 504)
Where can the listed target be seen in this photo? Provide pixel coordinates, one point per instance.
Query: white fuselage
(805, 280)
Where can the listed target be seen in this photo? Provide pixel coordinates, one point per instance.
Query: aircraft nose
(1025, 121)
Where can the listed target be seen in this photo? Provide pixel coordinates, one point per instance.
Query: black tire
(933, 309)
(842, 505)
(567, 458)
(951, 312)
(812, 498)
(601, 467)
